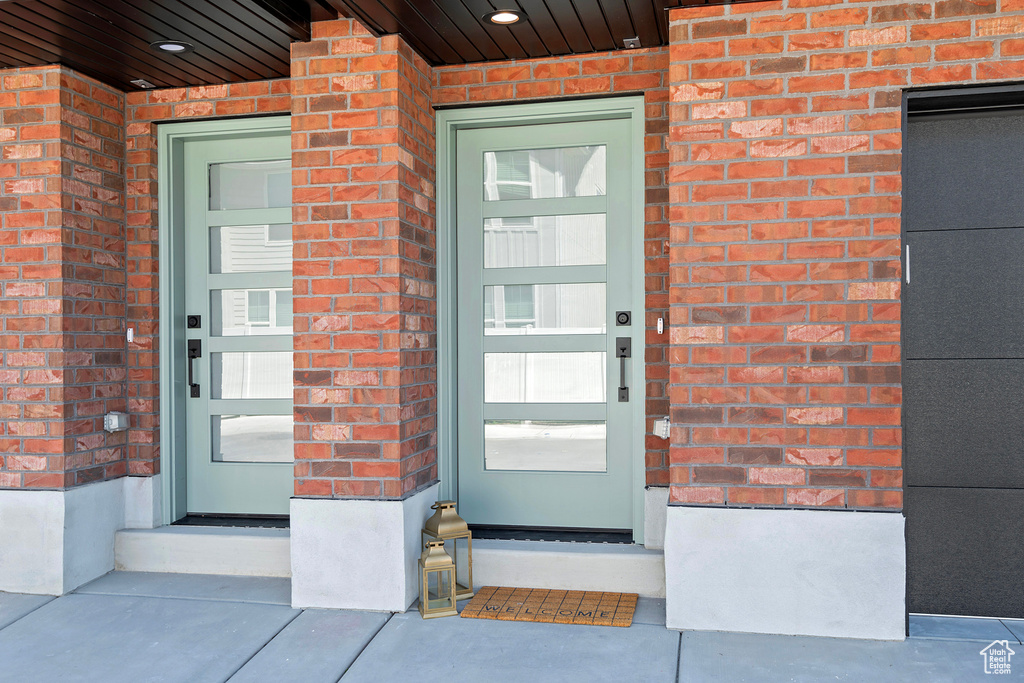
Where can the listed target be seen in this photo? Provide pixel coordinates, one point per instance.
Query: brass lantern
(446, 525)
(437, 582)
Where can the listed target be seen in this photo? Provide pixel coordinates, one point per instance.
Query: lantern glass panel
(458, 548)
(439, 589)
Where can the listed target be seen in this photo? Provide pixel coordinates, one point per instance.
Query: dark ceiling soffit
(449, 32)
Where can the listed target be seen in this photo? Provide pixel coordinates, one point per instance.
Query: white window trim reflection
(272, 321)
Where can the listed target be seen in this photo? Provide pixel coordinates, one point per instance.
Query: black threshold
(550, 533)
(242, 521)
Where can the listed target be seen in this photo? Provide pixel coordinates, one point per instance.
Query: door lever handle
(195, 350)
(623, 350)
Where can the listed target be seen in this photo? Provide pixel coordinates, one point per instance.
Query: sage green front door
(237, 321)
(543, 233)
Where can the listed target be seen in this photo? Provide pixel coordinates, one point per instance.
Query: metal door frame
(449, 122)
(171, 138)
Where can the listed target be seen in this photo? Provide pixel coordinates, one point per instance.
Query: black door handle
(623, 350)
(195, 350)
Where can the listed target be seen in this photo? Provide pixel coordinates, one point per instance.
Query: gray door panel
(964, 554)
(965, 296)
(963, 423)
(964, 173)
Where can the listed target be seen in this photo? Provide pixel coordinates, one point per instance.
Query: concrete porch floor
(134, 627)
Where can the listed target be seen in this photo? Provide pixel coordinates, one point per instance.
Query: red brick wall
(785, 289)
(144, 109)
(62, 270)
(365, 267)
(629, 71)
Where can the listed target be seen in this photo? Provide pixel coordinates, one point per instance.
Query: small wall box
(115, 422)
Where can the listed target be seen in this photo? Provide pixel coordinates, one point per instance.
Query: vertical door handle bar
(623, 350)
(195, 350)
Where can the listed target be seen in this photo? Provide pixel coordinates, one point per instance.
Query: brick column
(365, 331)
(62, 254)
(365, 338)
(62, 344)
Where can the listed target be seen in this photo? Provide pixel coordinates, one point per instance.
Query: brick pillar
(364, 297)
(62, 344)
(365, 339)
(62, 249)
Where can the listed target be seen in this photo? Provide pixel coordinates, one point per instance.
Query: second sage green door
(237, 322)
(543, 232)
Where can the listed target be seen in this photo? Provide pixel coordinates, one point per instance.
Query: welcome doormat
(552, 606)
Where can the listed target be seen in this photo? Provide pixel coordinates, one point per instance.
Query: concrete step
(266, 552)
(572, 566)
(204, 550)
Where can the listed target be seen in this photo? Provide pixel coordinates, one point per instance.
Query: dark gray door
(963, 378)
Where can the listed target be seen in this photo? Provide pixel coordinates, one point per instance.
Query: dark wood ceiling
(455, 32)
(244, 40)
(235, 40)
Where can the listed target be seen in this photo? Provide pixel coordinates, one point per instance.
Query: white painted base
(204, 550)
(569, 566)
(52, 542)
(794, 572)
(655, 510)
(143, 502)
(357, 554)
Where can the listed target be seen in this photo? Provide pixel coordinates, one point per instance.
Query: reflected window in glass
(255, 312)
(571, 308)
(545, 173)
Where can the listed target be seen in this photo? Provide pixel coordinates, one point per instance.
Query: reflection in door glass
(252, 438)
(545, 445)
(251, 248)
(250, 312)
(544, 309)
(251, 374)
(577, 240)
(545, 173)
(251, 185)
(545, 377)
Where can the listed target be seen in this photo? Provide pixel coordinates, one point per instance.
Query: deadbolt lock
(622, 317)
(193, 322)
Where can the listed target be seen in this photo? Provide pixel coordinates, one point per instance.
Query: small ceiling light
(504, 17)
(174, 47)
(142, 83)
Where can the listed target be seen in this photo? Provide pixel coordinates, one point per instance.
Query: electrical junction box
(115, 422)
(662, 428)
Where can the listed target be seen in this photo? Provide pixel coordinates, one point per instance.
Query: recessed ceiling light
(504, 17)
(174, 47)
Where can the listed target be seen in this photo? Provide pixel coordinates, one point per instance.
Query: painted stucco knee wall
(358, 554)
(796, 572)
